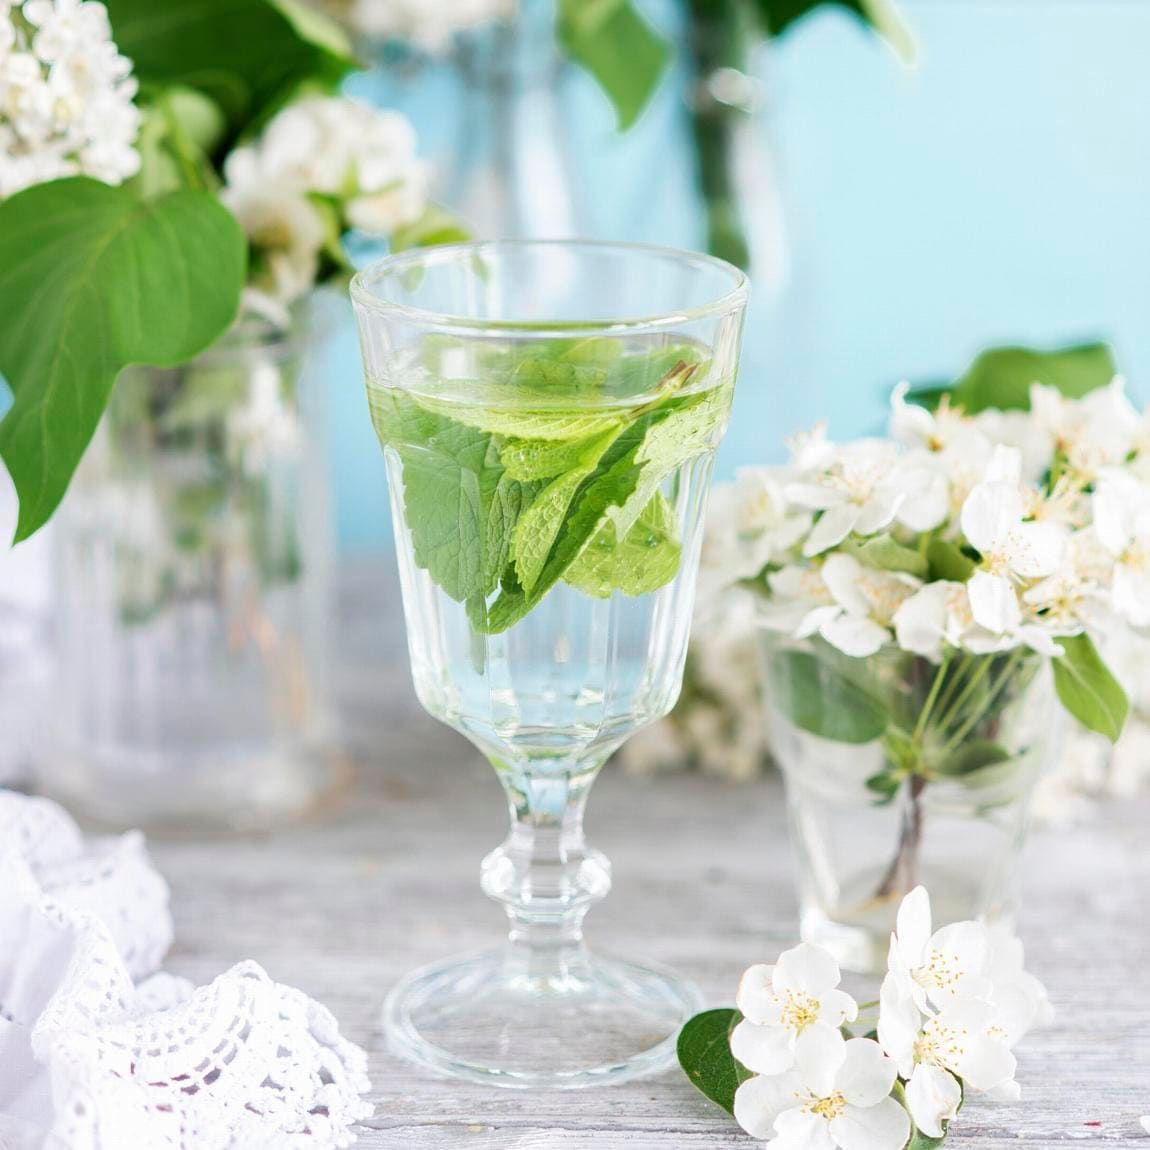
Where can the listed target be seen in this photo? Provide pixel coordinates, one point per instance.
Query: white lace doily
(91, 1061)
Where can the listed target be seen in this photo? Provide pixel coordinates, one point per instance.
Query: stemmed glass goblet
(549, 413)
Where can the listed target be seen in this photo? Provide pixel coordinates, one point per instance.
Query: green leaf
(537, 530)
(885, 553)
(780, 15)
(624, 54)
(885, 784)
(818, 699)
(92, 278)
(921, 1141)
(435, 226)
(704, 1050)
(1087, 688)
(977, 755)
(1001, 377)
(947, 561)
(248, 55)
(646, 559)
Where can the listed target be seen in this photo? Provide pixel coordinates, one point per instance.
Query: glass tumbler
(549, 413)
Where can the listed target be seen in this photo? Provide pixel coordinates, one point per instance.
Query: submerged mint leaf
(645, 559)
(530, 459)
(537, 530)
(704, 1050)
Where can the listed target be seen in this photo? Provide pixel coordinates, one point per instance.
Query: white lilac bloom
(855, 489)
(360, 159)
(1122, 526)
(428, 24)
(867, 601)
(790, 1009)
(66, 96)
(938, 966)
(933, 1051)
(837, 1096)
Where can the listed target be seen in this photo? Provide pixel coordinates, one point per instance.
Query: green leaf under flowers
(946, 560)
(248, 55)
(644, 560)
(1087, 688)
(972, 757)
(93, 278)
(1001, 377)
(624, 54)
(887, 554)
(820, 700)
(704, 1050)
(780, 15)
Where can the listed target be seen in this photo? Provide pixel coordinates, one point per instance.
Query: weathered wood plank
(373, 886)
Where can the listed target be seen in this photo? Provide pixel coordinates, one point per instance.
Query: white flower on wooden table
(789, 1008)
(838, 1095)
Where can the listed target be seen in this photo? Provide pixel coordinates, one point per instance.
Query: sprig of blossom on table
(954, 1003)
(66, 96)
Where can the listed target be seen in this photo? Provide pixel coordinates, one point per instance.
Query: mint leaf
(93, 278)
(645, 559)
(618, 48)
(704, 1050)
(530, 459)
(460, 505)
(1087, 688)
(537, 530)
(819, 699)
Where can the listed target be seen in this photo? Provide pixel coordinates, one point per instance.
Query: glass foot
(585, 1021)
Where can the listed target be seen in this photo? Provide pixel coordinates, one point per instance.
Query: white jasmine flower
(867, 600)
(917, 427)
(932, 1052)
(841, 1098)
(1019, 999)
(938, 615)
(940, 966)
(1122, 526)
(857, 492)
(789, 1008)
(800, 601)
(1090, 433)
(1012, 548)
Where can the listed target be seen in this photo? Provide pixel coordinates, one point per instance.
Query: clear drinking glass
(549, 413)
(900, 772)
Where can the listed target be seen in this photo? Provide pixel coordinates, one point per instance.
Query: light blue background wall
(997, 192)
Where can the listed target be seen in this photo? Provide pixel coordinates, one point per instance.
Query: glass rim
(362, 294)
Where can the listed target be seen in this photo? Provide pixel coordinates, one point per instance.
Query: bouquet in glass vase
(925, 601)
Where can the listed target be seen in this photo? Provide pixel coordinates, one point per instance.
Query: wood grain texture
(386, 878)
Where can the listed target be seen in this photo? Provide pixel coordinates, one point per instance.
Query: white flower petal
(912, 926)
(756, 998)
(878, 512)
(858, 638)
(884, 1126)
(1035, 549)
(962, 951)
(760, 1100)
(806, 969)
(986, 1063)
(990, 511)
(802, 1130)
(841, 575)
(833, 527)
(763, 1049)
(837, 1007)
(921, 621)
(993, 602)
(899, 1020)
(1144, 1122)
(866, 1074)
(932, 1096)
(815, 620)
(819, 1054)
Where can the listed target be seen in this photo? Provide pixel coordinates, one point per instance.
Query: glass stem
(544, 874)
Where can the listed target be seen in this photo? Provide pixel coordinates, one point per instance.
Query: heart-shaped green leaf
(705, 1055)
(93, 278)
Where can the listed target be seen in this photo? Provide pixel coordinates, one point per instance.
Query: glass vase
(193, 554)
(901, 772)
(548, 413)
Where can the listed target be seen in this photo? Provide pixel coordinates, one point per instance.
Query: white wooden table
(387, 879)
